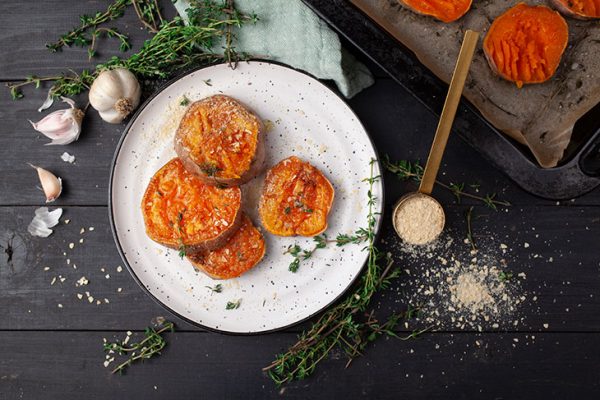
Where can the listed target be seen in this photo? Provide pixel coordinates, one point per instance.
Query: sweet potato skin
(221, 141)
(181, 212)
(242, 252)
(513, 50)
(442, 10)
(570, 10)
(296, 199)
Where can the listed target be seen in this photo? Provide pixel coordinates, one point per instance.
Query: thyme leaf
(505, 276)
(233, 305)
(218, 288)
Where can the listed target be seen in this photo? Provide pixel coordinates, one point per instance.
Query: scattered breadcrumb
(66, 157)
(452, 285)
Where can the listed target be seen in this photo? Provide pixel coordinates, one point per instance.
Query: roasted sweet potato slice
(580, 9)
(182, 212)
(526, 43)
(443, 10)
(220, 141)
(241, 253)
(296, 199)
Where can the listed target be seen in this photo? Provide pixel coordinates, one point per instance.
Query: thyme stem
(148, 347)
(406, 170)
(342, 325)
(469, 230)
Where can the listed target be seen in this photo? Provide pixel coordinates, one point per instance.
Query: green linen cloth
(291, 33)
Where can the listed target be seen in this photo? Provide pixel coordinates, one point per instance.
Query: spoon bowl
(418, 218)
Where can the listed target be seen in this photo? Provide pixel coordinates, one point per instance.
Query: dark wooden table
(51, 352)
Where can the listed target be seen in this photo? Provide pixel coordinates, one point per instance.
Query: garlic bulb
(51, 185)
(62, 126)
(115, 94)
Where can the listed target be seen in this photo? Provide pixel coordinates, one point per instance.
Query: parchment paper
(541, 116)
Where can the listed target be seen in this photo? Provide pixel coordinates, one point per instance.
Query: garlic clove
(105, 91)
(51, 185)
(111, 116)
(131, 87)
(62, 126)
(44, 220)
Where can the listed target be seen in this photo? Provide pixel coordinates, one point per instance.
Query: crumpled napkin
(291, 33)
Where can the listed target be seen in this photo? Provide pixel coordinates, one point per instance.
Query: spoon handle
(442, 132)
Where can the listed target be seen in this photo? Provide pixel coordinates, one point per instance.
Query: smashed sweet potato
(296, 199)
(443, 10)
(580, 9)
(241, 253)
(525, 44)
(220, 141)
(182, 212)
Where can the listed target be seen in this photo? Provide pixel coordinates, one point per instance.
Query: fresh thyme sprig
(406, 170)
(321, 242)
(149, 347)
(175, 47)
(346, 325)
(124, 44)
(148, 12)
(299, 254)
(65, 84)
(78, 36)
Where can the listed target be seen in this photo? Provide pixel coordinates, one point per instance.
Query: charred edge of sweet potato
(201, 263)
(270, 205)
(209, 175)
(205, 245)
(446, 11)
(583, 9)
(499, 44)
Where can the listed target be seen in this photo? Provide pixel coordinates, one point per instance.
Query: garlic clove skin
(62, 126)
(115, 94)
(51, 185)
(44, 220)
(48, 102)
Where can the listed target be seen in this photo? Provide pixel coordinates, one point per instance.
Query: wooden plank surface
(211, 366)
(565, 289)
(28, 25)
(55, 352)
(86, 181)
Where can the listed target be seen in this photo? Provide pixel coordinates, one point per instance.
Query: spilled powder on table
(454, 286)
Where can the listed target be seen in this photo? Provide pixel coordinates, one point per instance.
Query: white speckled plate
(303, 118)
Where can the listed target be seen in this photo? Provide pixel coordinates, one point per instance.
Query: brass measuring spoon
(418, 218)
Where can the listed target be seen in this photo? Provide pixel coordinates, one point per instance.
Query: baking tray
(577, 173)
